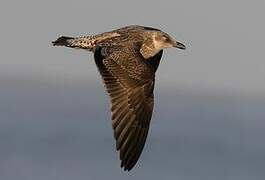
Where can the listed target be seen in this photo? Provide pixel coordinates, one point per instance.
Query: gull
(127, 59)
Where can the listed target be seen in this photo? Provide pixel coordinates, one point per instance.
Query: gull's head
(162, 40)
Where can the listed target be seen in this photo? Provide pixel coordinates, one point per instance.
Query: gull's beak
(179, 45)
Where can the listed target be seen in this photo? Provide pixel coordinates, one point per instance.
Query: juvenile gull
(127, 59)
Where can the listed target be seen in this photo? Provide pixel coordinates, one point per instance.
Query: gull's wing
(129, 80)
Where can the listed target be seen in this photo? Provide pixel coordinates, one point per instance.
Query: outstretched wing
(129, 82)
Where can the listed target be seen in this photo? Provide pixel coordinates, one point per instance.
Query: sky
(209, 118)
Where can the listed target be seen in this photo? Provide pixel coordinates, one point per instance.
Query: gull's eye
(164, 38)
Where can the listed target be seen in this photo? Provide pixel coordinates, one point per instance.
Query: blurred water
(62, 131)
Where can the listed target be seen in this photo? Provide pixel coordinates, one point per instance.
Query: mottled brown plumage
(127, 59)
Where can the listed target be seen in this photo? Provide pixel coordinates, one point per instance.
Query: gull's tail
(85, 42)
(62, 41)
(79, 43)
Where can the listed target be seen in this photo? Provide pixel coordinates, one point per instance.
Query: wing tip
(127, 167)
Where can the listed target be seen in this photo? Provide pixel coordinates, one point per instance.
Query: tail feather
(62, 41)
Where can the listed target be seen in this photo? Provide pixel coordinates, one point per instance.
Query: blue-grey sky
(209, 114)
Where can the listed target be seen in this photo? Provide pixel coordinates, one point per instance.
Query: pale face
(162, 40)
(158, 41)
